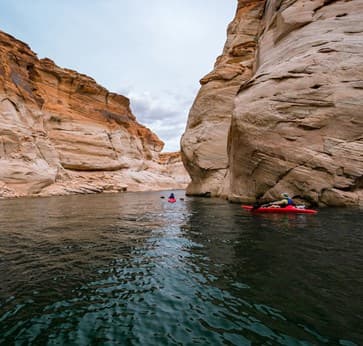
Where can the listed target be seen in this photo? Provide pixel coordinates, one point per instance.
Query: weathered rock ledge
(281, 112)
(61, 132)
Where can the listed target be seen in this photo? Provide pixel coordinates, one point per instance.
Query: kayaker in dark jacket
(172, 196)
(284, 202)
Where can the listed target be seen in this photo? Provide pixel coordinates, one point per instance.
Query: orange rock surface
(56, 123)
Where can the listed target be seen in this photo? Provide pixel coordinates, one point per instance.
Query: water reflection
(134, 269)
(283, 264)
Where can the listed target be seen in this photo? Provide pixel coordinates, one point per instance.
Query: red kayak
(171, 200)
(288, 209)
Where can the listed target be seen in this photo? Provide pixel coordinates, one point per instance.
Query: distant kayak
(171, 200)
(288, 209)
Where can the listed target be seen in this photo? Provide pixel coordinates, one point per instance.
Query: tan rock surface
(297, 122)
(56, 123)
(204, 143)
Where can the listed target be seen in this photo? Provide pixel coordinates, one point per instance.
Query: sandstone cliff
(61, 132)
(292, 114)
(204, 143)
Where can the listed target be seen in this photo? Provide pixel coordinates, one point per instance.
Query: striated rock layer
(204, 143)
(61, 132)
(297, 125)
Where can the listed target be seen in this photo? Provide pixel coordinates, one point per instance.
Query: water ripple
(132, 269)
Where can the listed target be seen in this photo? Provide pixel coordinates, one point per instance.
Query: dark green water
(132, 269)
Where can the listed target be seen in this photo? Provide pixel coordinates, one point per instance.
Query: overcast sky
(152, 51)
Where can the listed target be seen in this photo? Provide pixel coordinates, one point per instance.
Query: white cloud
(161, 46)
(164, 113)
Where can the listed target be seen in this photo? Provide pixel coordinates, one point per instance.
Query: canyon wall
(61, 132)
(295, 123)
(204, 143)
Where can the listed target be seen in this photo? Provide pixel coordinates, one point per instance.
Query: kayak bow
(282, 210)
(171, 200)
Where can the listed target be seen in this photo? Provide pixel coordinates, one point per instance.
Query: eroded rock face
(204, 143)
(297, 122)
(56, 123)
(298, 125)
